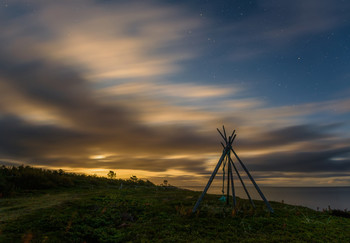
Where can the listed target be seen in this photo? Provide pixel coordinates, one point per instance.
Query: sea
(317, 198)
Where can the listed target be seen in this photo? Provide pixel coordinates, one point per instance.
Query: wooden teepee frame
(226, 157)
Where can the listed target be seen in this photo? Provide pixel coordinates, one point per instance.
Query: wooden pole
(224, 153)
(223, 176)
(228, 144)
(222, 145)
(233, 138)
(252, 180)
(222, 135)
(228, 180)
(232, 135)
(240, 178)
(232, 184)
(223, 128)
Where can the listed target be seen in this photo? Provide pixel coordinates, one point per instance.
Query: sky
(139, 87)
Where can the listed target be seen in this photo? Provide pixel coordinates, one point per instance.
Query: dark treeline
(20, 178)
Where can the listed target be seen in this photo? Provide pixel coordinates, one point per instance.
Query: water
(311, 197)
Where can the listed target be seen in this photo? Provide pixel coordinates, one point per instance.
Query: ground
(156, 213)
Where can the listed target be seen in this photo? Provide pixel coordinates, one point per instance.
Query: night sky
(139, 87)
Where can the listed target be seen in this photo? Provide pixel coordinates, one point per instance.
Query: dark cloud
(63, 91)
(22, 140)
(301, 161)
(293, 175)
(287, 135)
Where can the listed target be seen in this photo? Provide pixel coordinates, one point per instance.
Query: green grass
(39, 205)
(139, 213)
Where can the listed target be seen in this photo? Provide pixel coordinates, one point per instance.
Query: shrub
(15, 179)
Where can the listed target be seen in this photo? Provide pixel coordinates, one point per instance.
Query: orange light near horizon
(98, 156)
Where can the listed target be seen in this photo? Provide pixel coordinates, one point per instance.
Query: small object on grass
(222, 199)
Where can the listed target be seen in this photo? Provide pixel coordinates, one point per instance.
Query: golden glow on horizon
(100, 156)
(175, 177)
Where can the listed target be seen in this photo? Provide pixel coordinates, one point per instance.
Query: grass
(139, 211)
(145, 214)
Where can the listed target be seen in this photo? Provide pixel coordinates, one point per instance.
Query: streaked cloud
(104, 41)
(166, 90)
(92, 90)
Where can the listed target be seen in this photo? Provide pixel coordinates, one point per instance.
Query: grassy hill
(93, 209)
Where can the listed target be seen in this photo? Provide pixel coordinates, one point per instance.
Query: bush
(340, 213)
(15, 179)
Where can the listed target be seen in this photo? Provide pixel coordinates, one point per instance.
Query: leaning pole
(226, 154)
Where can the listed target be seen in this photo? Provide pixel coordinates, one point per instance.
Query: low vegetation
(139, 211)
(21, 179)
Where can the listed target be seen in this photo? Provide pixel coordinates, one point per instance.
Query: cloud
(93, 127)
(96, 128)
(287, 135)
(166, 90)
(303, 161)
(104, 41)
(89, 90)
